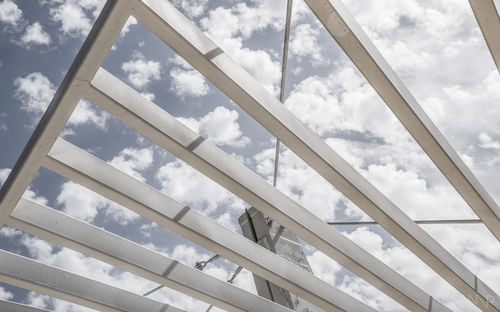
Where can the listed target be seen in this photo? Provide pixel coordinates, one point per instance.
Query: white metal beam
(33, 275)
(52, 225)
(370, 62)
(95, 48)
(156, 124)
(195, 47)
(9, 306)
(489, 22)
(81, 167)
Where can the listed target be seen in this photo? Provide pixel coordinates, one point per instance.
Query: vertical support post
(269, 234)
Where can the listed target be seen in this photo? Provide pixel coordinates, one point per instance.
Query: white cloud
(35, 34)
(29, 193)
(415, 196)
(4, 173)
(73, 15)
(149, 96)
(297, 180)
(324, 267)
(404, 262)
(35, 91)
(5, 295)
(304, 43)
(132, 161)
(188, 82)
(126, 28)
(475, 247)
(343, 101)
(193, 8)
(220, 126)
(91, 268)
(10, 13)
(141, 71)
(85, 204)
(488, 142)
(80, 202)
(45, 302)
(189, 186)
(229, 27)
(85, 113)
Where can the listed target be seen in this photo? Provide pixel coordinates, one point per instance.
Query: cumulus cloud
(36, 35)
(140, 71)
(86, 113)
(220, 126)
(79, 201)
(188, 82)
(85, 204)
(10, 13)
(126, 28)
(488, 142)
(5, 295)
(29, 193)
(343, 102)
(132, 161)
(404, 262)
(229, 27)
(35, 91)
(304, 43)
(193, 8)
(75, 17)
(300, 182)
(189, 186)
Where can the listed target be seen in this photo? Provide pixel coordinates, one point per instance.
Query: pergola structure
(87, 79)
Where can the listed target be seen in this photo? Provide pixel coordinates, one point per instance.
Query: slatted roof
(87, 79)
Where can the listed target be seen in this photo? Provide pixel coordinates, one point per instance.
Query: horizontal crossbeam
(33, 275)
(458, 221)
(488, 19)
(370, 62)
(156, 124)
(95, 48)
(95, 174)
(9, 306)
(196, 48)
(52, 225)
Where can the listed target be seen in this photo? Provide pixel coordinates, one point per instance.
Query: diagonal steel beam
(370, 62)
(156, 124)
(9, 306)
(195, 47)
(95, 174)
(489, 22)
(95, 48)
(64, 230)
(46, 279)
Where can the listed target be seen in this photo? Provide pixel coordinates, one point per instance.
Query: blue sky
(435, 46)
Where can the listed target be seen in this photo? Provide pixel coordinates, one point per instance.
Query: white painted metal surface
(370, 62)
(190, 42)
(64, 230)
(78, 165)
(9, 306)
(30, 274)
(488, 19)
(132, 108)
(156, 124)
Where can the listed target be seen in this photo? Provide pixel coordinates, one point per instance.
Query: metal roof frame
(488, 19)
(86, 79)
